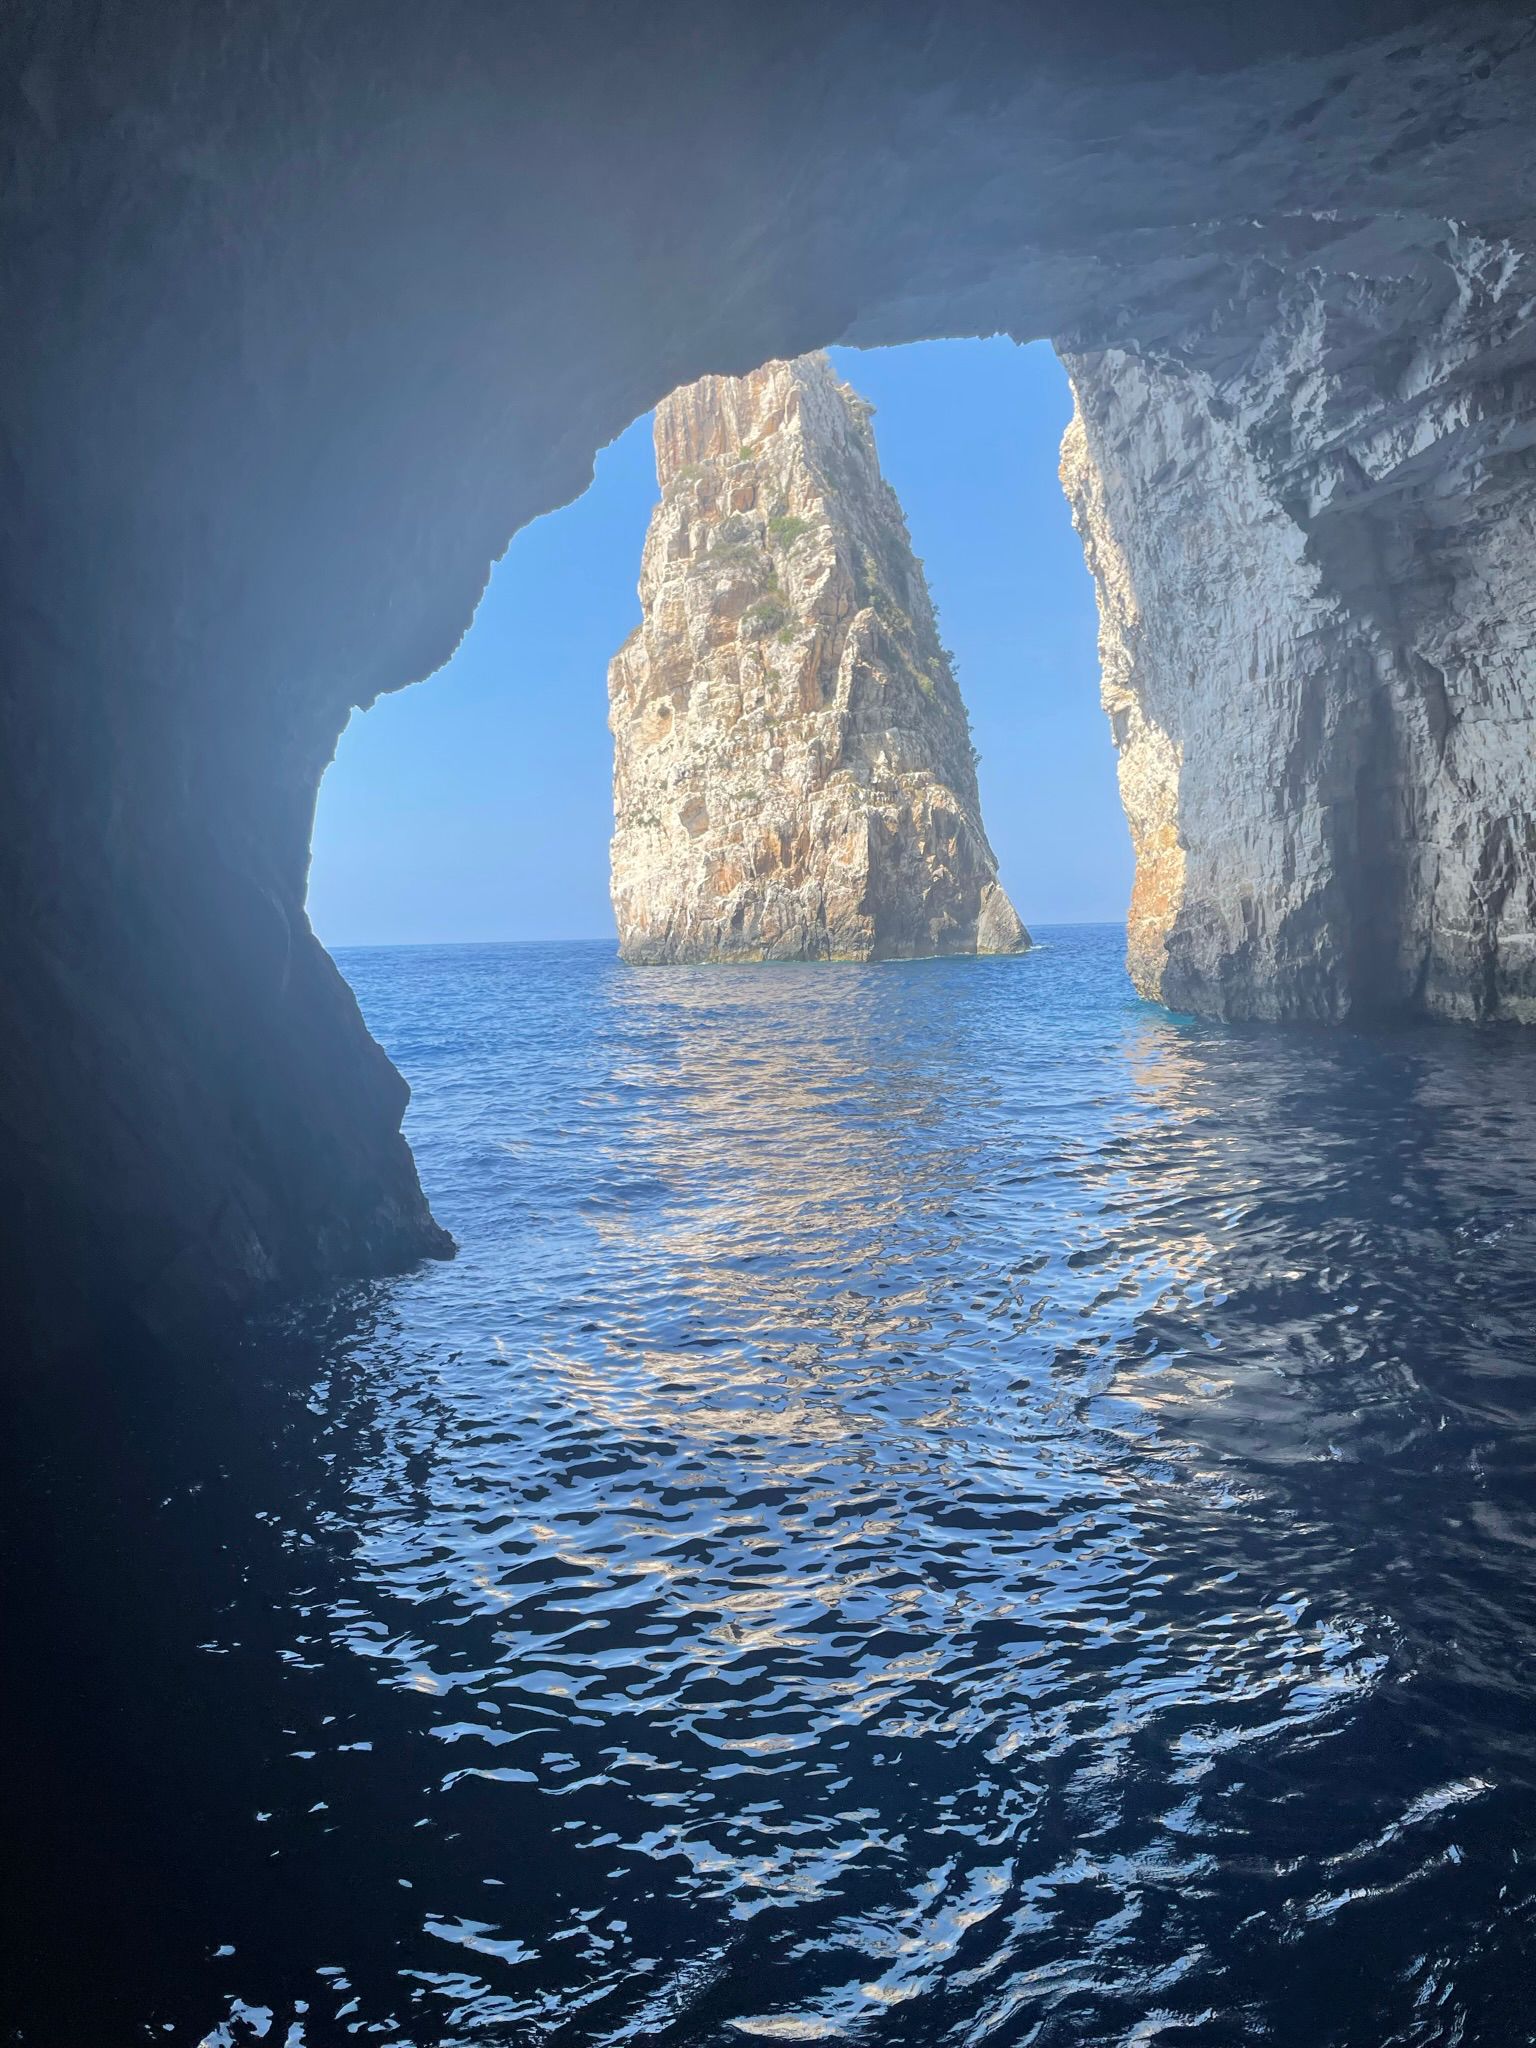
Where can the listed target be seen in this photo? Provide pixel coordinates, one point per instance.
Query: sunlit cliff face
(1318, 636)
(793, 769)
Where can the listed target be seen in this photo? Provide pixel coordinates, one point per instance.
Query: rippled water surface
(937, 1504)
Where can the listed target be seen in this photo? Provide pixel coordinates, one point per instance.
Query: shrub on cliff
(785, 528)
(764, 617)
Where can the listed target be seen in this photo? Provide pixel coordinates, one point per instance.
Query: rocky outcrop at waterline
(793, 777)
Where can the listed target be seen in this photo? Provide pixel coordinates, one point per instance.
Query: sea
(937, 1503)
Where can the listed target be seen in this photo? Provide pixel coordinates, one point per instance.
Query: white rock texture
(1311, 520)
(793, 771)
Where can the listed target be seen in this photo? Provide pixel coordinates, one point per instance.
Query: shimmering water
(937, 1505)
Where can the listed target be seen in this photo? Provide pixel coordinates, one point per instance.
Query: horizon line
(611, 939)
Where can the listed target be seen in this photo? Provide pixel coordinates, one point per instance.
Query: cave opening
(478, 807)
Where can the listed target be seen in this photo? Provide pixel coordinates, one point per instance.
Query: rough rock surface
(308, 310)
(1314, 554)
(793, 771)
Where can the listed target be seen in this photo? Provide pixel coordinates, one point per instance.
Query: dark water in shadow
(937, 1505)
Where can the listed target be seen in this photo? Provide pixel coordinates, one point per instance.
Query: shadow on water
(937, 1505)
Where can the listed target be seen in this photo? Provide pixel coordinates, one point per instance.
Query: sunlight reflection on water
(935, 1505)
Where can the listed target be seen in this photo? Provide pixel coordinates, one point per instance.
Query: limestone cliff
(793, 771)
(1311, 519)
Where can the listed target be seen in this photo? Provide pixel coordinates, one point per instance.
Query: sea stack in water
(793, 771)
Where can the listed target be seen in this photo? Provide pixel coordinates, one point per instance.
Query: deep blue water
(937, 1504)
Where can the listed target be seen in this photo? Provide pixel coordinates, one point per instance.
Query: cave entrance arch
(308, 323)
(478, 807)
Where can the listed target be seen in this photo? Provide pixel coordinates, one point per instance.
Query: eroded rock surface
(1312, 521)
(793, 771)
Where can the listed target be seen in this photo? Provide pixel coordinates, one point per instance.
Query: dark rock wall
(309, 308)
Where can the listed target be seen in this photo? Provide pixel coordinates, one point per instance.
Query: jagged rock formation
(1318, 637)
(793, 771)
(309, 310)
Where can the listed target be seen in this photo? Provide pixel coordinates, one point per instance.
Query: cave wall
(1318, 637)
(308, 310)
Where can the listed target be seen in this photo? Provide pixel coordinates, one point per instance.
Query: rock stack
(793, 771)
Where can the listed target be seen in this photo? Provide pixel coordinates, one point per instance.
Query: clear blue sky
(476, 806)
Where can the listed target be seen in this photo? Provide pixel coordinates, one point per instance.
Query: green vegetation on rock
(768, 615)
(785, 528)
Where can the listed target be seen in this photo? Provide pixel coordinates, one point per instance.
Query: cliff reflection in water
(937, 1504)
